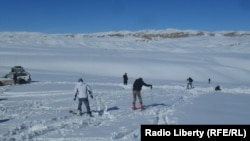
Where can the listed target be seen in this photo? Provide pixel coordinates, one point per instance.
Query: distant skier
(217, 88)
(125, 78)
(82, 90)
(209, 81)
(189, 84)
(137, 86)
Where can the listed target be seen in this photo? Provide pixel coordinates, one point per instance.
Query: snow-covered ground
(40, 110)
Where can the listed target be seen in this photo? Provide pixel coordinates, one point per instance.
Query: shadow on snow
(3, 99)
(155, 105)
(101, 112)
(4, 120)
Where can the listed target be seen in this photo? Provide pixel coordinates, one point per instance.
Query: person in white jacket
(81, 91)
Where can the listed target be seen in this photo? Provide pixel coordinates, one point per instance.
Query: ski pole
(151, 96)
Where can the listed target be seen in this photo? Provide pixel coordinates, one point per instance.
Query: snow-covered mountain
(172, 42)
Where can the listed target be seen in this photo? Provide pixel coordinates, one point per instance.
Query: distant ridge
(145, 34)
(123, 39)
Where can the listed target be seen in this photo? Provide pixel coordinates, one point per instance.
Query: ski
(75, 113)
(139, 109)
(81, 114)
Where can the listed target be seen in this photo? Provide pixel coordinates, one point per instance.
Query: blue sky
(90, 16)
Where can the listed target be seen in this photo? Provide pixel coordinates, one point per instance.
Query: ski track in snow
(45, 113)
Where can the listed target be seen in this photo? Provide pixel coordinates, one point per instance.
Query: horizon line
(165, 29)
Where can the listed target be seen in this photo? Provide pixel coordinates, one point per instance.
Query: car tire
(21, 81)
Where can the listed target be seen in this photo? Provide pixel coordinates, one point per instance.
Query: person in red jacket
(137, 86)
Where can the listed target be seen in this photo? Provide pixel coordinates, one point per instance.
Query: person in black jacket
(125, 78)
(189, 84)
(217, 88)
(137, 86)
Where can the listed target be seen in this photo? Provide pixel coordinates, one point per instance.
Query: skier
(209, 81)
(125, 79)
(137, 86)
(82, 90)
(189, 84)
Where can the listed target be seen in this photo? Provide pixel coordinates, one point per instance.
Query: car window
(8, 76)
(23, 74)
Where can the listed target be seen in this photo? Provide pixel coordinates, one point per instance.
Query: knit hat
(80, 80)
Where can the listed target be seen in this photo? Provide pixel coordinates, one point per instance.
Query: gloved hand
(75, 97)
(91, 96)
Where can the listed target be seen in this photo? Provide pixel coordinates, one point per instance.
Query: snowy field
(40, 110)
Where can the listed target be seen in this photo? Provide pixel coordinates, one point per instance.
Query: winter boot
(141, 106)
(89, 114)
(133, 106)
(79, 112)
